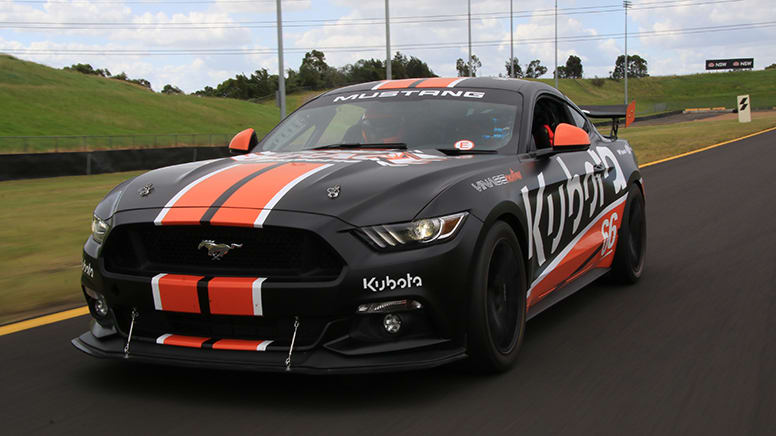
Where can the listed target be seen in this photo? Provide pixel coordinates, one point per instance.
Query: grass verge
(45, 221)
(657, 142)
(43, 225)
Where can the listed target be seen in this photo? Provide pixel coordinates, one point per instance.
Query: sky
(196, 43)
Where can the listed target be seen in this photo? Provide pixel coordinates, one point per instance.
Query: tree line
(103, 72)
(315, 73)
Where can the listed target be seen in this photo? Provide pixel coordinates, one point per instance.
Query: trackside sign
(730, 64)
(744, 109)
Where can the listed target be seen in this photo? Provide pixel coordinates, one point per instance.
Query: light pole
(387, 43)
(281, 70)
(556, 44)
(626, 4)
(470, 38)
(511, 44)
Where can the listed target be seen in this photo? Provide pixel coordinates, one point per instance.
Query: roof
(523, 86)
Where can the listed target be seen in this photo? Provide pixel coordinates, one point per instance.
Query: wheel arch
(511, 214)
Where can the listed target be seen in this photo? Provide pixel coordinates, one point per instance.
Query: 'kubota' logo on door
(388, 284)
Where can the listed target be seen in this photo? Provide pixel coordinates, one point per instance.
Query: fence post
(83, 142)
(88, 163)
(25, 144)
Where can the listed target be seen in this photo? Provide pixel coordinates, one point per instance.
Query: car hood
(359, 187)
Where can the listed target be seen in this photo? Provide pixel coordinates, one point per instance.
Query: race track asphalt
(690, 349)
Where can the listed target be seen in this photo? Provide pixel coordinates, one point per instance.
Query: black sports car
(383, 226)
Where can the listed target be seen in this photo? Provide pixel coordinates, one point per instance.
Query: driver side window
(548, 113)
(579, 119)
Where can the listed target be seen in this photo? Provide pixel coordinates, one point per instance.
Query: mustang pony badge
(145, 190)
(333, 192)
(217, 251)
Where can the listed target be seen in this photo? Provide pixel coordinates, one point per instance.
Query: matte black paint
(374, 194)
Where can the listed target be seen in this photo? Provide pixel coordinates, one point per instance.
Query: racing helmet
(382, 124)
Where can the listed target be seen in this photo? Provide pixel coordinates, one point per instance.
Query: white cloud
(681, 53)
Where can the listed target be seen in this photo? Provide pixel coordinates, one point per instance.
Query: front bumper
(337, 347)
(318, 361)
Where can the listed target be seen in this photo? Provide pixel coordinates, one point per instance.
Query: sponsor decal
(579, 192)
(87, 269)
(582, 253)
(497, 180)
(609, 234)
(386, 159)
(374, 284)
(464, 144)
(440, 93)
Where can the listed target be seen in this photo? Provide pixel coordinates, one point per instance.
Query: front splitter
(319, 361)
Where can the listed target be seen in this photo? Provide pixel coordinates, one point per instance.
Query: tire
(498, 305)
(630, 255)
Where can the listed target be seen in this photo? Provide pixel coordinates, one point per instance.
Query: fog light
(392, 323)
(101, 307)
(392, 306)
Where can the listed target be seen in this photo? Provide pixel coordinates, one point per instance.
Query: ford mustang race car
(384, 226)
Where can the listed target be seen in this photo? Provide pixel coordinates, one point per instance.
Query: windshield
(463, 119)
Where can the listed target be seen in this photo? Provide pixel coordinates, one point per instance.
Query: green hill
(667, 93)
(41, 101)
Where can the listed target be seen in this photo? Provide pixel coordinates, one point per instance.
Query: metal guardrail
(42, 144)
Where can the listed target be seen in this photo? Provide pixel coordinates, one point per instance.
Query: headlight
(99, 229)
(421, 231)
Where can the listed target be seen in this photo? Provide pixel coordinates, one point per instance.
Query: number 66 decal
(609, 232)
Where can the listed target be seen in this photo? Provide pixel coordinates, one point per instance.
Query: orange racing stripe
(244, 207)
(436, 82)
(235, 296)
(176, 293)
(397, 84)
(181, 340)
(187, 210)
(573, 263)
(241, 345)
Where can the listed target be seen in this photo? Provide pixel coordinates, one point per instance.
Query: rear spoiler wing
(615, 112)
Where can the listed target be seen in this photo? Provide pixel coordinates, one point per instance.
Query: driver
(380, 124)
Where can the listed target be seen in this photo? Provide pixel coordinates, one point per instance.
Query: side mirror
(243, 142)
(570, 138)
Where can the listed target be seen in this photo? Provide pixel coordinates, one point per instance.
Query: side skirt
(570, 288)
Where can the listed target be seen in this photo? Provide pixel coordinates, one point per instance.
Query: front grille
(279, 253)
